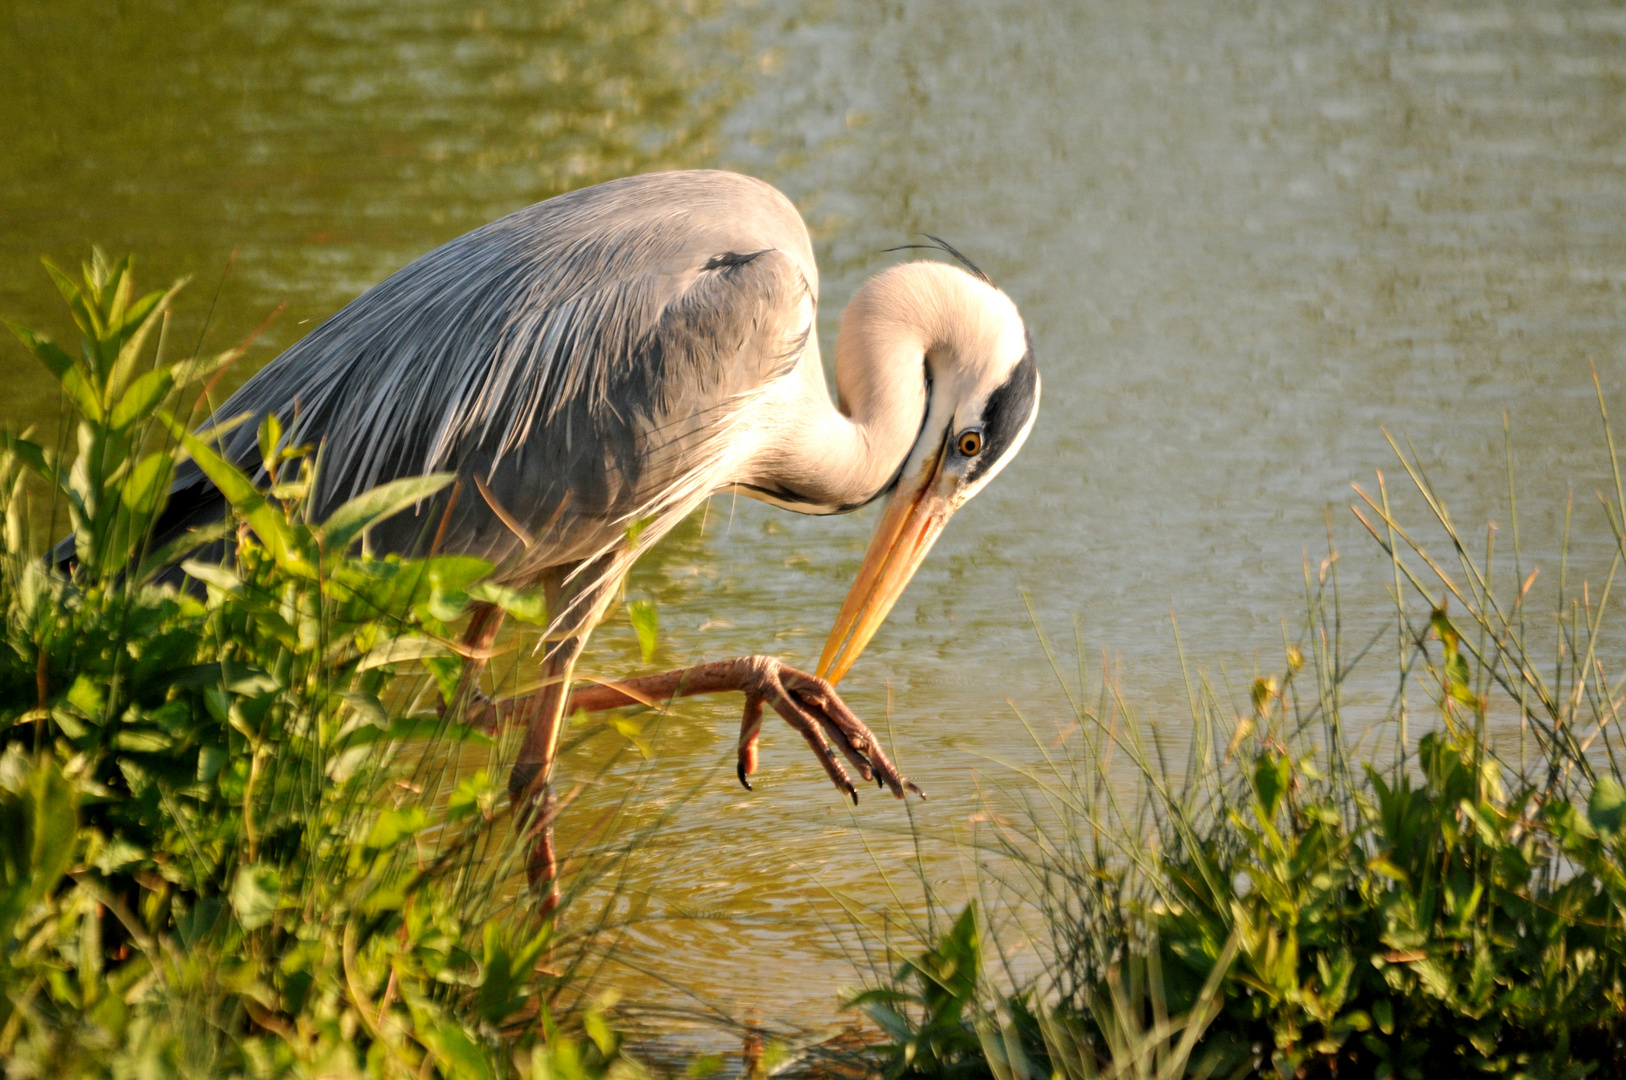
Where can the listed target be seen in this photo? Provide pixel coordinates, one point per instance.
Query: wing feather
(598, 351)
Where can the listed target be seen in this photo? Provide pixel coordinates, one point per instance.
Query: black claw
(854, 794)
(740, 771)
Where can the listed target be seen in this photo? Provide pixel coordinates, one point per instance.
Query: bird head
(982, 397)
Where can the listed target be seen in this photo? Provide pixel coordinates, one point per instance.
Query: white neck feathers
(903, 322)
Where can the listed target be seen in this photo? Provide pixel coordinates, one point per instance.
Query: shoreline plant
(242, 835)
(237, 835)
(1278, 904)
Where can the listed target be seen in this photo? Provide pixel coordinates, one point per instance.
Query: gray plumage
(616, 355)
(591, 348)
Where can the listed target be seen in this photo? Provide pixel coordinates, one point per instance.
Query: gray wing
(587, 358)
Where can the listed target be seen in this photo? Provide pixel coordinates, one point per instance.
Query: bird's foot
(806, 702)
(811, 706)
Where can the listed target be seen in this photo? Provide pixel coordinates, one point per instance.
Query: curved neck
(831, 458)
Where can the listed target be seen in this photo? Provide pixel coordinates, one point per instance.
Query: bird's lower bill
(915, 515)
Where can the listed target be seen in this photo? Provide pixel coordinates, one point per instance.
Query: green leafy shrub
(1447, 911)
(237, 834)
(1275, 905)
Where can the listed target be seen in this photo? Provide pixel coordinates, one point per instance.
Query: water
(1246, 237)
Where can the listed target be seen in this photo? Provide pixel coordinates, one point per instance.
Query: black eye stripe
(1008, 409)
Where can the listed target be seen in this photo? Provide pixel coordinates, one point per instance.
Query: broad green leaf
(213, 574)
(1442, 627)
(254, 895)
(33, 455)
(116, 855)
(474, 794)
(890, 1021)
(370, 507)
(646, 623)
(633, 732)
(144, 491)
(450, 577)
(400, 650)
(457, 1055)
(1572, 829)
(1457, 678)
(142, 740)
(267, 521)
(524, 959)
(137, 312)
(597, 1029)
(456, 571)
(52, 825)
(528, 606)
(87, 695)
(270, 434)
(116, 297)
(368, 709)
(1607, 807)
(143, 315)
(1271, 775)
(497, 999)
(201, 367)
(1383, 1015)
(82, 394)
(49, 828)
(143, 396)
(394, 826)
(1381, 864)
(84, 314)
(210, 761)
(55, 360)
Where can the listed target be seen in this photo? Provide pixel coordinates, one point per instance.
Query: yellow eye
(970, 443)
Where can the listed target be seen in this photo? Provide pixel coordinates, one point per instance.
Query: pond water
(1247, 236)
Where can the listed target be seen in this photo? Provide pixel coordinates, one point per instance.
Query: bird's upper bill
(914, 516)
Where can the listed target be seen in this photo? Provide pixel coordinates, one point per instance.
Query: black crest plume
(939, 244)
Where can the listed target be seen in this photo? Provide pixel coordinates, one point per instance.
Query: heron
(593, 368)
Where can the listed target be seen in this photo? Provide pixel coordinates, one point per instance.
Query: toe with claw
(805, 702)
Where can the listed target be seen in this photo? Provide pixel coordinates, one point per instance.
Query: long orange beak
(915, 515)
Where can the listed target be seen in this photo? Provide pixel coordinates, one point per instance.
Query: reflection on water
(1245, 236)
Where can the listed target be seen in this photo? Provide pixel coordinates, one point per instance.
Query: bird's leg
(541, 714)
(750, 735)
(806, 702)
(468, 703)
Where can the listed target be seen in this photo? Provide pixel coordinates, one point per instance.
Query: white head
(981, 393)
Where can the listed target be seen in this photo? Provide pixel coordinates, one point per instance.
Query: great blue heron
(618, 354)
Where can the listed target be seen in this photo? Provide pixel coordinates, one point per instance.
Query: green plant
(1448, 909)
(241, 836)
(943, 1018)
(1279, 905)
(931, 1026)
